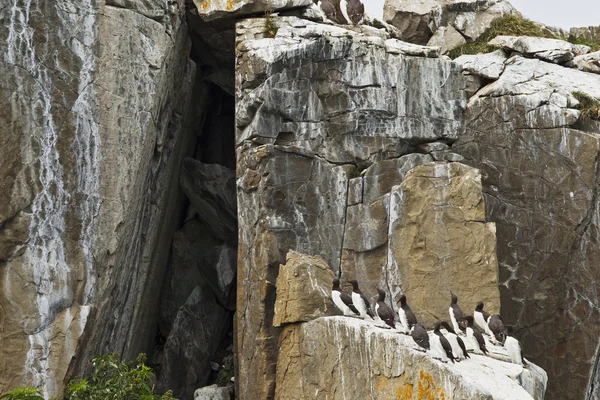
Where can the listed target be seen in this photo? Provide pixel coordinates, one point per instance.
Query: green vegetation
(28, 393)
(510, 25)
(592, 45)
(112, 379)
(224, 376)
(589, 107)
(270, 26)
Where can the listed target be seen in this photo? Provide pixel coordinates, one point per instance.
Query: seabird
(355, 11)
(456, 314)
(420, 336)
(475, 336)
(496, 325)
(458, 346)
(360, 301)
(407, 318)
(441, 345)
(329, 9)
(342, 300)
(512, 345)
(384, 311)
(481, 318)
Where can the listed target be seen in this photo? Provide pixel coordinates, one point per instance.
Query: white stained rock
(210, 10)
(446, 38)
(212, 392)
(395, 46)
(588, 62)
(473, 24)
(553, 50)
(488, 66)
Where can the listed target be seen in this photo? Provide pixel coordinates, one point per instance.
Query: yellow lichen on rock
(427, 389)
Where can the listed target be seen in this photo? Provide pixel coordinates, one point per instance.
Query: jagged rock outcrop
(93, 135)
(344, 357)
(539, 161)
(553, 50)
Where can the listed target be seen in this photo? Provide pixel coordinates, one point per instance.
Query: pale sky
(561, 13)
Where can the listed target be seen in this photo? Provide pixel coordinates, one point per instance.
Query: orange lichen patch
(230, 4)
(204, 5)
(404, 392)
(427, 389)
(393, 388)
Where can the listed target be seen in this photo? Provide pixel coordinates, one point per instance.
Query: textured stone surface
(197, 330)
(477, 16)
(588, 62)
(554, 50)
(303, 290)
(446, 38)
(347, 358)
(413, 18)
(93, 134)
(540, 182)
(439, 241)
(212, 392)
(216, 9)
(488, 66)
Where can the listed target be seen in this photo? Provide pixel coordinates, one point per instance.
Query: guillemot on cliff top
(353, 11)
(458, 346)
(360, 301)
(407, 317)
(441, 345)
(456, 314)
(475, 336)
(496, 325)
(420, 336)
(481, 318)
(513, 347)
(342, 300)
(328, 8)
(384, 311)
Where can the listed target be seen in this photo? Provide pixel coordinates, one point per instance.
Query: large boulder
(539, 163)
(303, 290)
(347, 358)
(553, 50)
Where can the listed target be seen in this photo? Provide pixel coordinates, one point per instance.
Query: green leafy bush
(28, 393)
(509, 25)
(270, 25)
(225, 374)
(116, 380)
(589, 107)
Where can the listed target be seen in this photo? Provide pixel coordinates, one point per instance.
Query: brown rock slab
(303, 290)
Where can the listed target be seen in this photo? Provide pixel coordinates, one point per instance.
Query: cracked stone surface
(588, 62)
(540, 178)
(218, 9)
(488, 66)
(347, 358)
(553, 50)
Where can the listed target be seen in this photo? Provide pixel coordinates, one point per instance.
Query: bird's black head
(479, 306)
(354, 284)
(402, 300)
(381, 295)
(469, 319)
(446, 325)
(336, 284)
(454, 298)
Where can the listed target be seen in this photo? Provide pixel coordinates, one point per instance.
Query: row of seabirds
(448, 345)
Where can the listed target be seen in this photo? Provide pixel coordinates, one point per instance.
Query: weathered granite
(553, 50)
(588, 62)
(303, 290)
(212, 392)
(488, 66)
(540, 170)
(218, 9)
(413, 18)
(347, 358)
(474, 21)
(446, 38)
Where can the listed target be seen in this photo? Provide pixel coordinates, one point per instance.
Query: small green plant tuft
(589, 107)
(225, 374)
(270, 26)
(592, 45)
(28, 393)
(509, 25)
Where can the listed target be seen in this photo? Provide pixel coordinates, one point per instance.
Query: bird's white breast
(436, 345)
(453, 319)
(359, 304)
(337, 300)
(456, 349)
(513, 348)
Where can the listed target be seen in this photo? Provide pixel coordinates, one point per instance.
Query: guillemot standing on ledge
(353, 11)
(360, 301)
(458, 346)
(481, 318)
(407, 317)
(513, 347)
(420, 336)
(456, 314)
(496, 325)
(475, 336)
(384, 311)
(342, 300)
(441, 344)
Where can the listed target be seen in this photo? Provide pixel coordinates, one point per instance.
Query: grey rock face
(540, 174)
(211, 190)
(212, 392)
(222, 9)
(553, 50)
(588, 62)
(197, 331)
(488, 66)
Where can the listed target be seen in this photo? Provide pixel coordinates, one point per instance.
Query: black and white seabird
(458, 346)
(456, 314)
(407, 318)
(496, 325)
(384, 311)
(360, 301)
(513, 347)
(342, 300)
(475, 336)
(420, 336)
(441, 345)
(329, 9)
(353, 11)
(481, 318)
